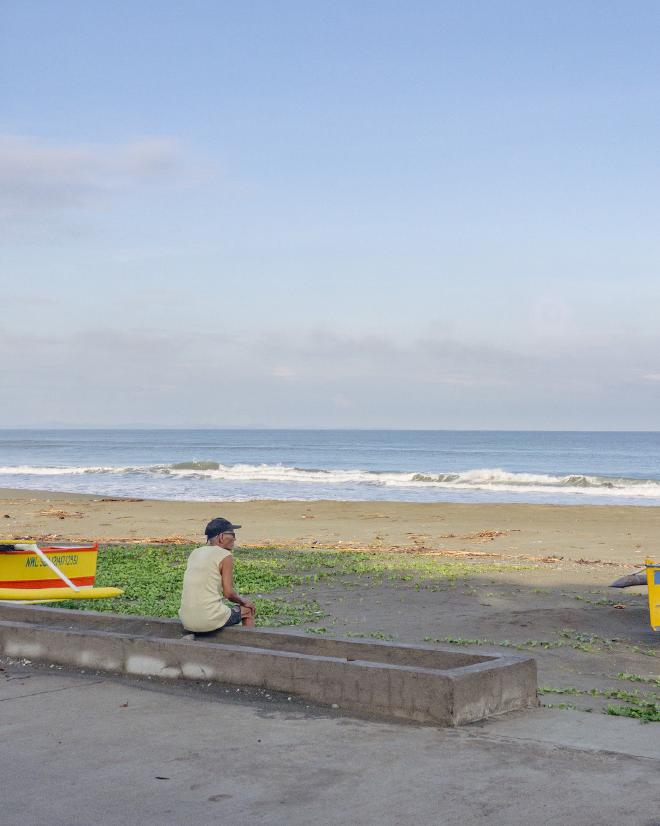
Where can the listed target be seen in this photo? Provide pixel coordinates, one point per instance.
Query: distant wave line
(493, 479)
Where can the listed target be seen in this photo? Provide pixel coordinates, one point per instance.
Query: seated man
(208, 577)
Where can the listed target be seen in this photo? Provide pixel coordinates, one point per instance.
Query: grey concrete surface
(84, 748)
(416, 683)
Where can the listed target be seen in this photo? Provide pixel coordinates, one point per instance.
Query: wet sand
(589, 533)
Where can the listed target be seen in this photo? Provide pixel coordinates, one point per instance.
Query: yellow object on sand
(26, 565)
(653, 580)
(29, 573)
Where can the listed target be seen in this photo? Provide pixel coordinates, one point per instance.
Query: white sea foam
(484, 479)
(29, 470)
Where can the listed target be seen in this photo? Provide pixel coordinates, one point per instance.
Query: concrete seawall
(417, 683)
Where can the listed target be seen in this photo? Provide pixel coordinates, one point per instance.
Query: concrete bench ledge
(418, 683)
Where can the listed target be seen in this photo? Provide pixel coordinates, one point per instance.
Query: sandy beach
(534, 576)
(538, 578)
(597, 534)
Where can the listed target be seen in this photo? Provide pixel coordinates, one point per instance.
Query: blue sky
(330, 214)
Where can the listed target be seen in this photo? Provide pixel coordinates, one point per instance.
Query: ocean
(372, 465)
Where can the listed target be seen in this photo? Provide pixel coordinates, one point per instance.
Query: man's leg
(247, 617)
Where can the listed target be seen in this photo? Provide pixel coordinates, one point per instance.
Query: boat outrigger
(651, 577)
(29, 573)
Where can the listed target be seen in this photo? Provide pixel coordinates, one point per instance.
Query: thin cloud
(312, 378)
(38, 177)
(29, 302)
(283, 372)
(427, 360)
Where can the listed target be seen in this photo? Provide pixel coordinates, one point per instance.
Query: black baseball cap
(217, 526)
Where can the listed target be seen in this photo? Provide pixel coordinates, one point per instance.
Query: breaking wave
(481, 479)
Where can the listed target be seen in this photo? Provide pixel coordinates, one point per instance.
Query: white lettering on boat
(61, 559)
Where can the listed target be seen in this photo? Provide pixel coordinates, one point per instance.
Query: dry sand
(623, 535)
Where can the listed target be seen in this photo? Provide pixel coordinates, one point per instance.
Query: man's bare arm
(227, 576)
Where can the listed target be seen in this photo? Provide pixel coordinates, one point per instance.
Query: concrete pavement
(86, 748)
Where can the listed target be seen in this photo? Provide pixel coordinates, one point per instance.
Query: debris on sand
(484, 536)
(60, 514)
(117, 499)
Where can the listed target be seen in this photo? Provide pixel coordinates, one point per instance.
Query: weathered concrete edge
(422, 695)
(279, 639)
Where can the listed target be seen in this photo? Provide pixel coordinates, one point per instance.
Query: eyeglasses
(229, 533)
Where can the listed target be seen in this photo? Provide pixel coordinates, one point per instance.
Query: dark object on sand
(638, 578)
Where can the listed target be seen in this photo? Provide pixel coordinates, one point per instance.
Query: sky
(330, 214)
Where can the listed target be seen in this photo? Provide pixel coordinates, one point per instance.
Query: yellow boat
(30, 573)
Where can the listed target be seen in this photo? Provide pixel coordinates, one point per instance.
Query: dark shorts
(234, 619)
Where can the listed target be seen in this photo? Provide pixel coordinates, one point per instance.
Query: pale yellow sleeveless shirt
(201, 606)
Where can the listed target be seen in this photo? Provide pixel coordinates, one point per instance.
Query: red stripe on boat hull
(45, 583)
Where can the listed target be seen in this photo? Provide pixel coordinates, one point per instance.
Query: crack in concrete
(52, 690)
(552, 745)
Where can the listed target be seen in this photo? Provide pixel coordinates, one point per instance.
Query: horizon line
(376, 428)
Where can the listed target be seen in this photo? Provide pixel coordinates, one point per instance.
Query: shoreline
(615, 534)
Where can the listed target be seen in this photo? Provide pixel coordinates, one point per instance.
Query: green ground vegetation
(152, 575)
(644, 706)
(567, 638)
(638, 678)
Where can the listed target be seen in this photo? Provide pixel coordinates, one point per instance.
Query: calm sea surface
(413, 466)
